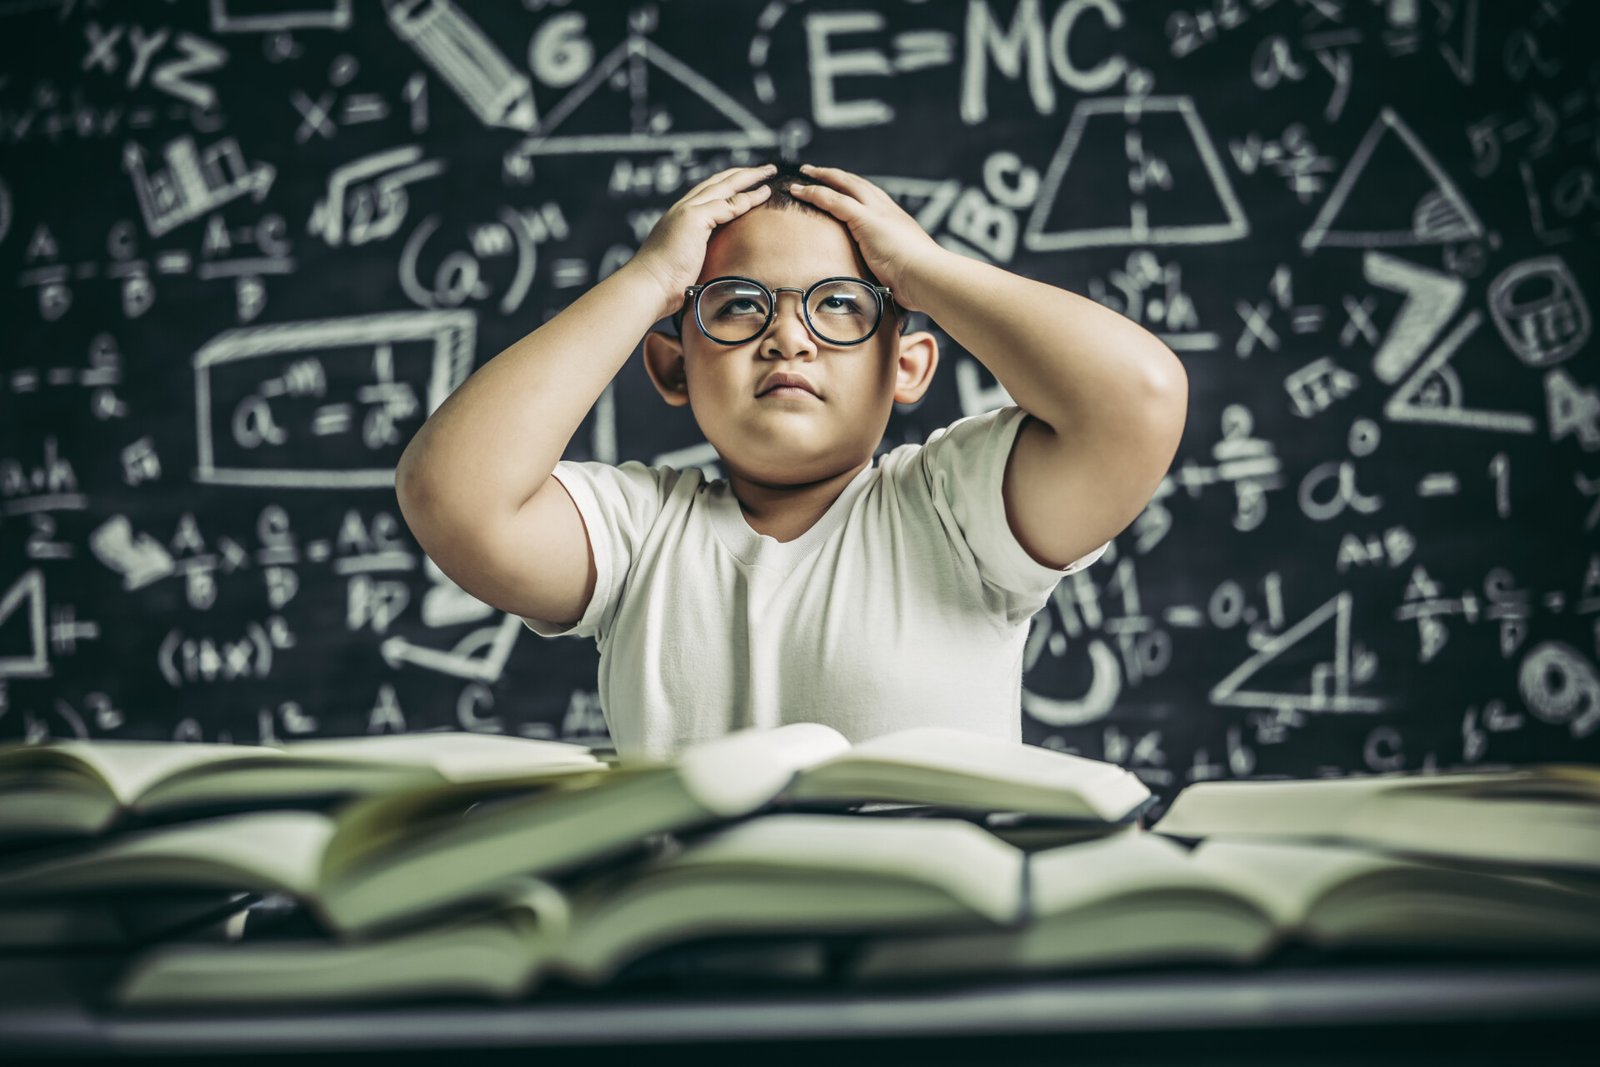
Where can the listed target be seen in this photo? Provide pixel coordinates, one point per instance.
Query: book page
(1283, 880)
(430, 857)
(1328, 806)
(788, 873)
(1084, 873)
(458, 755)
(1016, 770)
(278, 850)
(369, 828)
(131, 767)
(495, 954)
(1508, 830)
(1256, 806)
(734, 774)
(965, 860)
(1289, 878)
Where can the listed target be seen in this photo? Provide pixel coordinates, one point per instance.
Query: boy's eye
(844, 300)
(839, 305)
(742, 305)
(733, 300)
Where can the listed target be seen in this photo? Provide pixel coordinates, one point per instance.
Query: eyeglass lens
(839, 312)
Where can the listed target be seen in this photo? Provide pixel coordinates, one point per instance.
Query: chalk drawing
(237, 445)
(24, 599)
(1157, 210)
(1326, 687)
(713, 119)
(467, 59)
(366, 200)
(258, 17)
(193, 182)
(1438, 214)
(1540, 311)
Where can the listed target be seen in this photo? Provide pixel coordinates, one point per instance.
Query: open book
(391, 859)
(82, 788)
(766, 877)
(1547, 815)
(960, 770)
(1143, 899)
(914, 900)
(387, 858)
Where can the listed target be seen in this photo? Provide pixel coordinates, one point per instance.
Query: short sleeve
(964, 465)
(619, 503)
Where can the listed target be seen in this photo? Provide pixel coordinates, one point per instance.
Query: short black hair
(785, 174)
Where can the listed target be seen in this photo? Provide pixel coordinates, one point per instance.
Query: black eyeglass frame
(691, 297)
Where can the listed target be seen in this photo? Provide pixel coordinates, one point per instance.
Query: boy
(810, 584)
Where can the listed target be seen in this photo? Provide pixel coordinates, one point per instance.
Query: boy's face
(784, 438)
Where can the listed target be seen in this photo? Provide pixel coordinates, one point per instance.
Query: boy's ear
(918, 359)
(663, 361)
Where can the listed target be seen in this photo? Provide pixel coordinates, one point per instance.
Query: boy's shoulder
(634, 470)
(961, 435)
(631, 482)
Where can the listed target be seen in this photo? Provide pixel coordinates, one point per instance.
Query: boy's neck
(784, 512)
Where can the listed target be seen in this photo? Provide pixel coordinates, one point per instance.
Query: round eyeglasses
(733, 310)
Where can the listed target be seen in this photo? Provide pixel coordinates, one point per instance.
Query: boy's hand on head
(893, 243)
(675, 250)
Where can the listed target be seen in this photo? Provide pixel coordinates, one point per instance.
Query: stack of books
(84, 798)
(1238, 873)
(784, 854)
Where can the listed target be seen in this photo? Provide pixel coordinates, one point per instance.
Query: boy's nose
(788, 334)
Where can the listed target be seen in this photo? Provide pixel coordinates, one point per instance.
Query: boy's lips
(780, 378)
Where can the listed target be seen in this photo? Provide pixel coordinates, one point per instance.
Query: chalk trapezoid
(1226, 219)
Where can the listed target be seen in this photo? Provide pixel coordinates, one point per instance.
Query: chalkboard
(246, 246)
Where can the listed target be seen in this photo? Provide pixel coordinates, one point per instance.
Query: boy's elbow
(1169, 408)
(1170, 386)
(409, 482)
(1177, 413)
(412, 495)
(406, 489)
(1167, 376)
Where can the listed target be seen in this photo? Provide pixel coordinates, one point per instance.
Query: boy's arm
(493, 443)
(1108, 400)
(474, 482)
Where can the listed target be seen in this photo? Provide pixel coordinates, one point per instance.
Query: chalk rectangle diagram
(326, 403)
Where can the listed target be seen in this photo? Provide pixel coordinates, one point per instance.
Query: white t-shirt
(907, 604)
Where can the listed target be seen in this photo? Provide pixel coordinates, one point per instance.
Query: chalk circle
(1559, 685)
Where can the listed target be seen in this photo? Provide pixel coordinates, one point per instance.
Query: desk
(1374, 1013)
